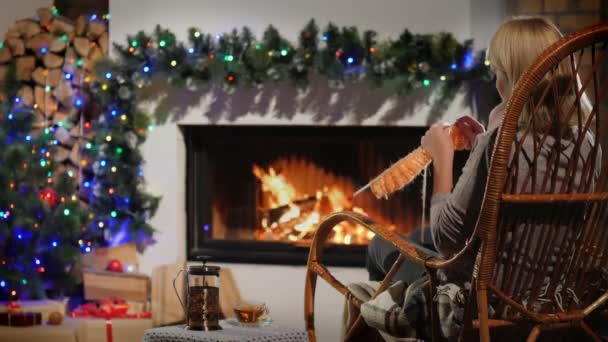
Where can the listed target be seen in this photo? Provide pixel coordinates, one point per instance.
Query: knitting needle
(362, 189)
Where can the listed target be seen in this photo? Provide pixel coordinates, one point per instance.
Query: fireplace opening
(257, 193)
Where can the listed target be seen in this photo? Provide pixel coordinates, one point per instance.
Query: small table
(230, 332)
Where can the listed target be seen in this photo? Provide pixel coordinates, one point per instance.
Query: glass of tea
(250, 311)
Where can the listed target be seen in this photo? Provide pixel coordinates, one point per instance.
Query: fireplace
(256, 193)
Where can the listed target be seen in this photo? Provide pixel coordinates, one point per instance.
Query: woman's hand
(438, 143)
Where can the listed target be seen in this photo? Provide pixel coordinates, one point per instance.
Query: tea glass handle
(266, 309)
(177, 292)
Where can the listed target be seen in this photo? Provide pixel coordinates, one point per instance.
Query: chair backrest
(544, 220)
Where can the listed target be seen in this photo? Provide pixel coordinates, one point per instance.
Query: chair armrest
(403, 246)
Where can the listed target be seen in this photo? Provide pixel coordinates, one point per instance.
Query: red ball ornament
(114, 266)
(48, 195)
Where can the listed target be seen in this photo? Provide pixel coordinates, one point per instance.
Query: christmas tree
(43, 226)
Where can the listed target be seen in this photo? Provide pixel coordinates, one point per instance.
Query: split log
(61, 154)
(70, 55)
(46, 103)
(61, 25)
(81, 25)
(12, 34)
(87, 64)
(82, 46)
(39, 75)
(103, 43)
(54, 77)
(39, 41)
(27, 27)
(75, 155)
(75, 132)
(74, 114)
(95, 54)
(45, 15)
(96, 28)
(25, 67)
(52, 60)
(27, 96)
(46, 77)
(62, 93)
(5, 55)
(16, 45)
(58, 44)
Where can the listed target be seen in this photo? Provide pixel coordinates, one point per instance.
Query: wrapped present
(45, 307)
(110, 320)
(20, 319)
(114, 330)
(99, 285)
(100, 257)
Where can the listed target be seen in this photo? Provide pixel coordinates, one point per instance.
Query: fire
(287, 213)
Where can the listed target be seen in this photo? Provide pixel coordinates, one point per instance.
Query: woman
(455, 208)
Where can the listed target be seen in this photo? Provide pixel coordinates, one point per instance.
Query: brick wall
(568, 15)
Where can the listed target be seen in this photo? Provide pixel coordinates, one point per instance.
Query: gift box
(113, 330)
(21, 319)
(99, 285)
(45, 307)
(100, 257)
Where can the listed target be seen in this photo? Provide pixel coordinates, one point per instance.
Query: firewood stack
(54, 59)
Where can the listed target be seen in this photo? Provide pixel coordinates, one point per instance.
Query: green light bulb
(162, 43)
(113, 214)
(119, 150)
(134, 43)
(66, 211)
(426, 83)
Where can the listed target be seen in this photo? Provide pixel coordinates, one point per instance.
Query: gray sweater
(454, 215)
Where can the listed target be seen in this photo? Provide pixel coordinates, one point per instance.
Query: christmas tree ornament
(55, 318)
(114, 265)
(49, 195)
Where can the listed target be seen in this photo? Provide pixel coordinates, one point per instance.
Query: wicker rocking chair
(518, 275)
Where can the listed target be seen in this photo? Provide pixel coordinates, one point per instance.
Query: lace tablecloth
(229, 333)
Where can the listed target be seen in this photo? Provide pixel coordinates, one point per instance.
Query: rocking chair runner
(522, 263)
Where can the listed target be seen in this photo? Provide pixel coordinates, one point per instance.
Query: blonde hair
(514, 47)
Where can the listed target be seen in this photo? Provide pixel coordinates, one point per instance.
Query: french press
(202, 307)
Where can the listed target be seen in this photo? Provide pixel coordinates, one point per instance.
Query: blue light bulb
(28, 137)
(453, 66)
(108, 75)
(2, 283)
(350, 60)
(37, 261)
(191, 50)
(54, 243)
(324, 37)
(146, 68)
(102, 163)
(67, 76)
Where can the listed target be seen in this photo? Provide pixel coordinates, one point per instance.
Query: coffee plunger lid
(204, 269)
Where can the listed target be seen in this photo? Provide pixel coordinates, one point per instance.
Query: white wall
(11, 11)
(281, 286)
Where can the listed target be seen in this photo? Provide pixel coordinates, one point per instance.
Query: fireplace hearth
(255, 194)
